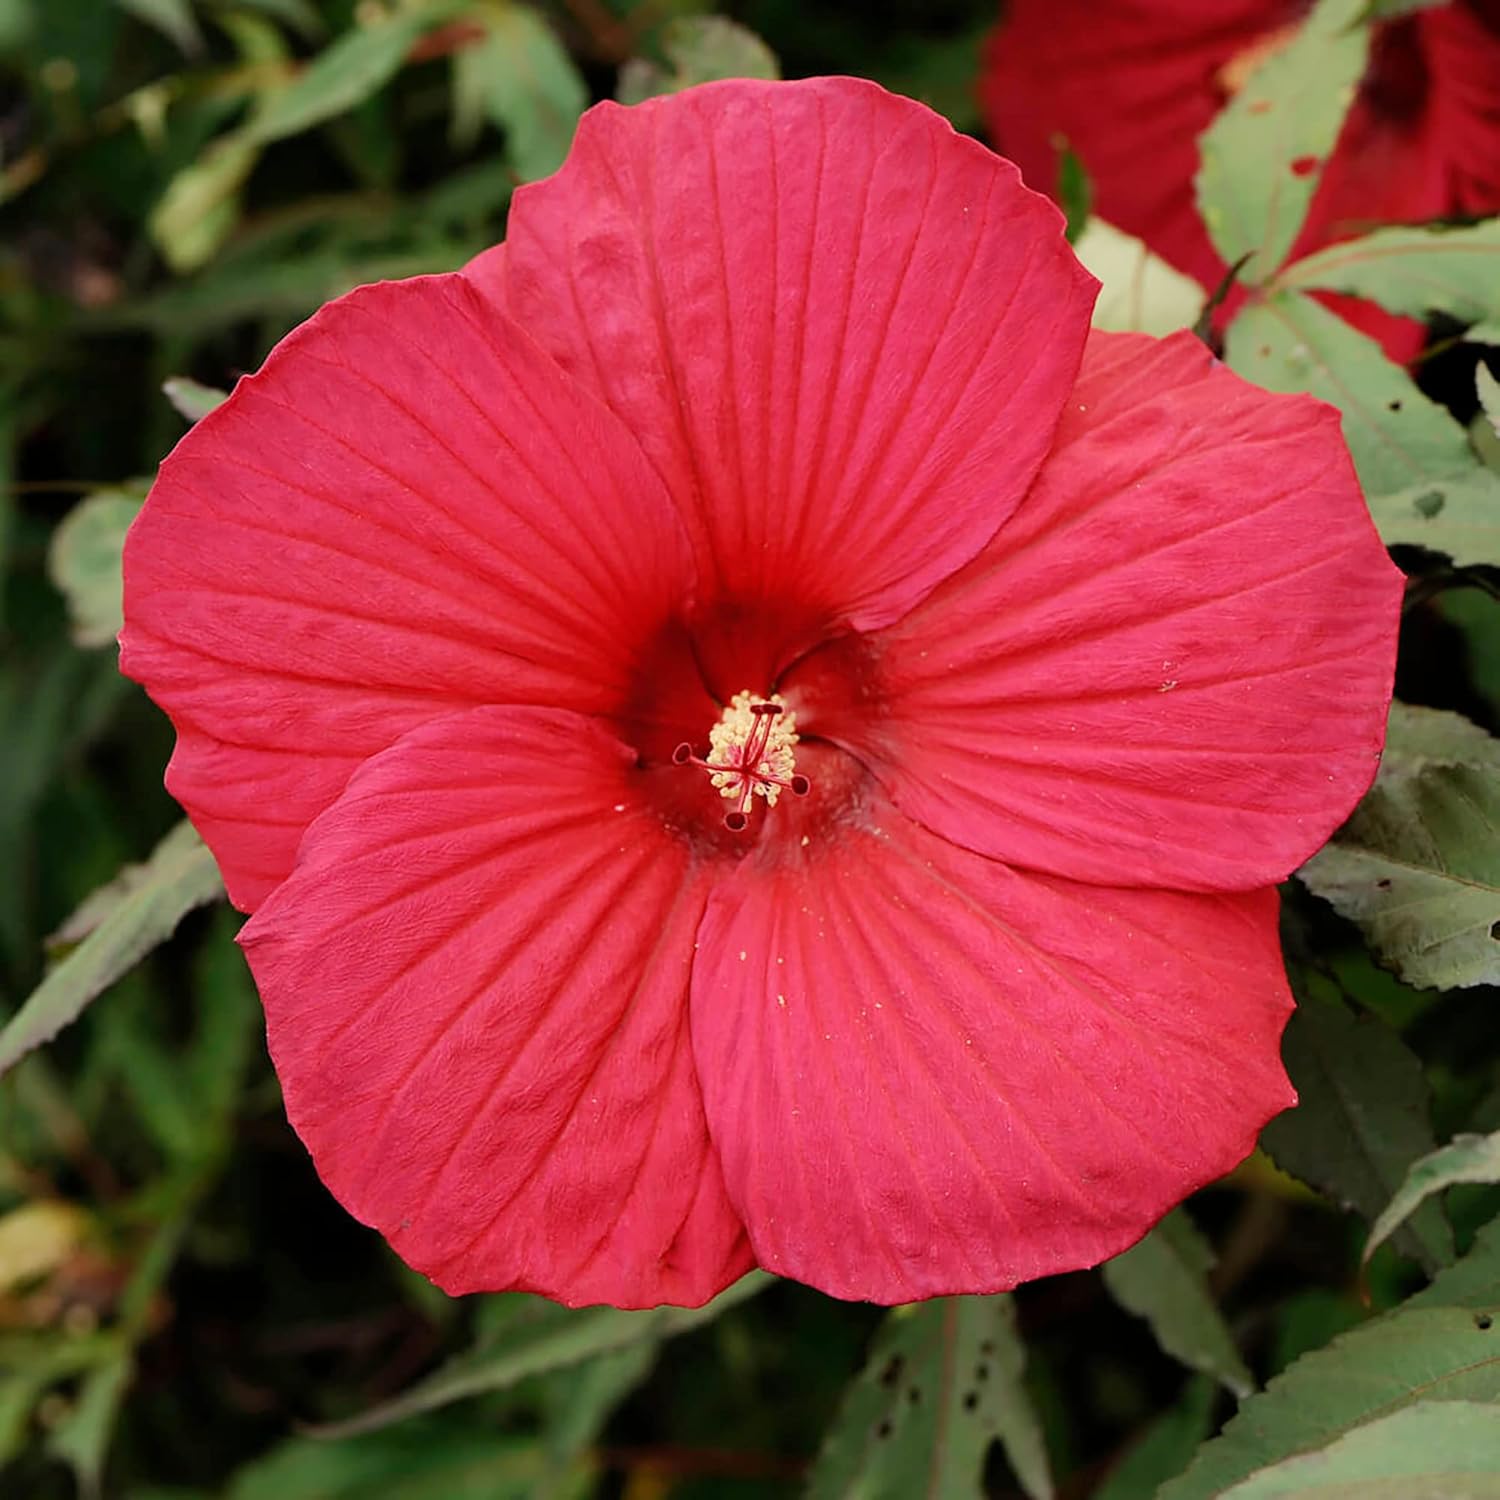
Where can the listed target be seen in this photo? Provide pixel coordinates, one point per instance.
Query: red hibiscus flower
(1131, 84)
(749, 735)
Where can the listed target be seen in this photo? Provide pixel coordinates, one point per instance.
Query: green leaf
(1458, 516)
(943, 1382)
(1165, 1449)
(1399, 438)
(192, 400)
(201, 205)
(1466, 1158)
(1443, 1450)
(344, 74)
(1484, 333)
(580, 1401)
(1441, 1345)
(1163, 1279)
(1141, 292)
(553, 1340)
(522, 78)
(1363, 1116)
(83, 1436)
(1417, 868)
(1261, 158)
(1415, 271)
(83, 560)
(132, 915)
(698, 49)
(1416, 738)
(174, 19)
(1488, 390)
(420, 1461)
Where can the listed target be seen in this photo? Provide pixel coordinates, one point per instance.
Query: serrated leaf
(1417, 868)
(1416, 738)
(1141, 293)
(943, 1382)
(1411, 270)
(1262, 157)
(1466, 1158)
(1363, 1115)
(522, 78)
(698, 49)
(533, 1347)
(1398, 436)
(1434, 1450)
(1441, 1345)
(193, 401)
(83, 560)
(151, 900)
(346, 73)
(1163, 1279)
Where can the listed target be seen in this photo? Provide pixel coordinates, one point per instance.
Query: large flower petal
(1170, 668)
(409, 510)
(926, 1073)
(475, 985)
(843, 333)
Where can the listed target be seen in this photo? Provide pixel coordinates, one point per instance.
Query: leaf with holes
(1441, 1345)
(141, 909)
(1262, 157)
(1363, 1115)
(1466, 1158)
(1163, 1279)
(1417, 868)
(1399, 438)
(942, 1384)
(1412, 270)
(553, 1339)
(1458, 516)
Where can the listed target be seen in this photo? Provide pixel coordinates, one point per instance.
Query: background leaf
(84, 560)
(1466, 1158)
(143, 909)
(1362, 1118)
(1262, 157)
(943, 1382)
(552, 1339)
(1164, 1280)
(1415, 271)
(1448, 1449)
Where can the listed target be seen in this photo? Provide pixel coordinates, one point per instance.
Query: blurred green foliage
(180, 182)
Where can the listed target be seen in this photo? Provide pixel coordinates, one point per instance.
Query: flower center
(751, 754)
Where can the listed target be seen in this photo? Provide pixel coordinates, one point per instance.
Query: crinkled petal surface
(407, 511)
(1171, 667)
(475, 984)
(843, 332)
(927, 1073)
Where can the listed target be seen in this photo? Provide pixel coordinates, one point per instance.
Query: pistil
(751, 754)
